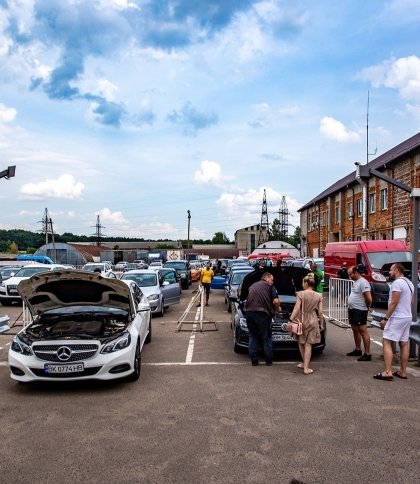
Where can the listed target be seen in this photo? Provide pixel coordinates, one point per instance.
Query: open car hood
(61, 288)
(287, 280)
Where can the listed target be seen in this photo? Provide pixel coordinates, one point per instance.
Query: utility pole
(283, 220)
(53, 241)
(45, 225)
(188, 234)
(263, 235)
(98, 234)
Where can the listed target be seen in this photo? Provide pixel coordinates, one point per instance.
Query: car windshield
(378, 259)
(8, 272)
(142, 280)
(93, 267)
(175, 265)
(238, 277)
(30, 271)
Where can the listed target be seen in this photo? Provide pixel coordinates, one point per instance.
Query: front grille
(85, 372)
(12, 290)
(79, 352)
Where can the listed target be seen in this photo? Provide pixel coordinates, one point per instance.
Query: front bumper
(108, 366)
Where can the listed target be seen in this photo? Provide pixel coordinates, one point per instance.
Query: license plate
(13, 291)
(282, 337)
(76, 368)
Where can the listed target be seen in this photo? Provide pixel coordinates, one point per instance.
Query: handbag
(295, 327)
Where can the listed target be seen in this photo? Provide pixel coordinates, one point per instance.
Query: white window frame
(359, 205)
(384, 198)
(372, 202)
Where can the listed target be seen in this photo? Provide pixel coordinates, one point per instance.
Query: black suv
(287, 280)
(183, 271)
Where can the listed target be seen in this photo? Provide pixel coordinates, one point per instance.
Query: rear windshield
(175, 265)
(238, 277)
(378, 259)
(30, 271)
(94, 267)
(142, 280)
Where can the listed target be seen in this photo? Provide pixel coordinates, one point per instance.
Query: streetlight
(189, 218)
(9, 173)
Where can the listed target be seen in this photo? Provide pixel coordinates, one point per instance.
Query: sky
(137, 111)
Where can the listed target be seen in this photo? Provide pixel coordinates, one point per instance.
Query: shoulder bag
(296, 326)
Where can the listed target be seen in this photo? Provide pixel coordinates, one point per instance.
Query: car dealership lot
(201, 413)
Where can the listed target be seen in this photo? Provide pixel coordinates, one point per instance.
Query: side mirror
(143, 307)
(165, 283)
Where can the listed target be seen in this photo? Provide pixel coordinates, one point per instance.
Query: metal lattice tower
(46, 224)
(263, 234)
(283, 219)
(98, 234)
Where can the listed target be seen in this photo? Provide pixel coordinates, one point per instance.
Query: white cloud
(64, 186)
(210, 172)
(402, 74)
(246, 205)
(7, 114)
(335, 130)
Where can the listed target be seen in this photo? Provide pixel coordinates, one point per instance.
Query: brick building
(352, 210)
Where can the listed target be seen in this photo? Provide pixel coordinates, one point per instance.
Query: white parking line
(191, 343)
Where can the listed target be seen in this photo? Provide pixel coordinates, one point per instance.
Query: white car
(103, 268)
(155, 265)
(84, 327)
(8, 288)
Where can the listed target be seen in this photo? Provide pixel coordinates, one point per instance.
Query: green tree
(220, 238)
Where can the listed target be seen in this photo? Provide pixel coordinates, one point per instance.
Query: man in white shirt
(396, 323)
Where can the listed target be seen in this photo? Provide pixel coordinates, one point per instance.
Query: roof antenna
(367, 134)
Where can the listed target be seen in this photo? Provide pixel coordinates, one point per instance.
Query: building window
(383, 236)
(359, 207)
(372, 203)
(350, 210)
(359, 237)
(372, 237)
(384, 198)
(337, 214)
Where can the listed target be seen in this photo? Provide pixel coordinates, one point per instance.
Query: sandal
(300, 365)
(379, 376)
(399, 376)
(309, 371)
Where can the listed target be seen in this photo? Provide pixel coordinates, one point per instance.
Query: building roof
(402, 150)
(89, 251)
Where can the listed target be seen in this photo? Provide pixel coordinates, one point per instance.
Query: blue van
(42, 259)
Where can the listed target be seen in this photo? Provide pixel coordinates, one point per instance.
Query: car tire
(229, 309)
(136, 364)
(6, 302)
(149, 336)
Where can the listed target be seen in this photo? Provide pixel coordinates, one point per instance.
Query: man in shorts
(396, 323)
(207, 275)
(359, 302)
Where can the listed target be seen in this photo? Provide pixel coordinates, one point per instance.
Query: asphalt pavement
(201, 413)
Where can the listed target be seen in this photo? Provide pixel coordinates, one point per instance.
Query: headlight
(377, 276)
(20, 347)
(117, 344)
(242, 324)
(153, 297)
